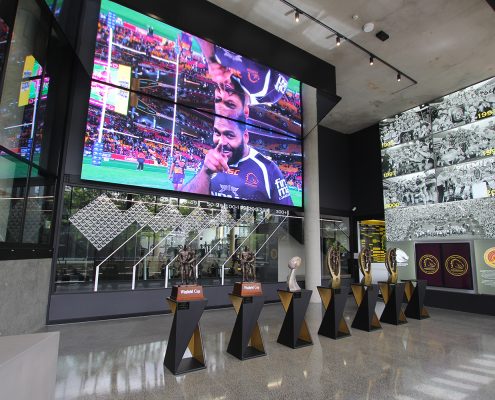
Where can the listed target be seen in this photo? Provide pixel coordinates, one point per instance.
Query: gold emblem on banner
(489, 257)
(456, 265)
(429, 264)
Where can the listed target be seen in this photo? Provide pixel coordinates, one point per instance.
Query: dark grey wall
(334, 154)
(366, 176)
(72, 307)
(350, 173)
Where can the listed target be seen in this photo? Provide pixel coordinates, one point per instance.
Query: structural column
(311, 194)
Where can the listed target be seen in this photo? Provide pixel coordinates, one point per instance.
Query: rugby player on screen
(177, 171)
(233, 168)
(261, 84)
(236, 170)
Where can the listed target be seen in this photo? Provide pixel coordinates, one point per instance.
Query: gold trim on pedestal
(408, 290)
(326, 296)
(236, 302)
(173, 305)
(384, 288)
(343, 327)
(196, 346)
(358, 292)
(256, 340)
(304, 333)
(285, 298)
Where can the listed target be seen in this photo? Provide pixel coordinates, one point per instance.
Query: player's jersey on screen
(179, 169)
(253, 178)
(264, 85)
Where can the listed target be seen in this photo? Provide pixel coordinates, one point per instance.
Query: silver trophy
(294, 264)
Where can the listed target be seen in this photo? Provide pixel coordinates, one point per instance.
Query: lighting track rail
(340, 37)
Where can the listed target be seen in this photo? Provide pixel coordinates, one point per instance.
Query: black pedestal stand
(294, 332)
(185, 333)
(246, 341)
(392, 293)
(366, 297)
(333, 324)
(415, 296)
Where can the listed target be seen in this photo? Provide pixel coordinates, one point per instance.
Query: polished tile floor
(450, 356)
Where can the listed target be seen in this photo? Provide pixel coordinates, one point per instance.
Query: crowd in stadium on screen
(141, 50)
(465, 218)
(147, 129)
(126, 137)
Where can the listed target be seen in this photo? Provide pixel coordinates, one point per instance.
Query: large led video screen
(171, 111)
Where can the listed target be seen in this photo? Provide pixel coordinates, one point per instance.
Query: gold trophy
(391, 264)
(365, 265)
(333, 265)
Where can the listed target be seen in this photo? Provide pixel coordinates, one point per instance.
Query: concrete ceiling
(443, 44)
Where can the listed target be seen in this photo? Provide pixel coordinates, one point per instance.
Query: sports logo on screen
(456, 265)
(429, 264)
(489, 257)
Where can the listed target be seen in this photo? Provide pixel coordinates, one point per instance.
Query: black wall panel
(334, 171)
(366, 173)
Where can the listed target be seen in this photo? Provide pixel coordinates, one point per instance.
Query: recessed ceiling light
(368, 27)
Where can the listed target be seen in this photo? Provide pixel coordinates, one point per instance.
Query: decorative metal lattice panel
(140, 213)
(168, 218)
(100, 221)
(225, 219)
(196, 221)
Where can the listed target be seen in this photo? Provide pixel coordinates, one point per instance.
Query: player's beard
(237, 153)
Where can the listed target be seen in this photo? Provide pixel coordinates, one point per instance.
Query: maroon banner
(428, 263)
(456, 266)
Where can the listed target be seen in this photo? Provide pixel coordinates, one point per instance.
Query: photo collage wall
(438, 161)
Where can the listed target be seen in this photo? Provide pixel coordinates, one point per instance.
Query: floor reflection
(450, 356)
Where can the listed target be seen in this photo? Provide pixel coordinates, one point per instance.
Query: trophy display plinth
(247, 289)
(333, 324)
(187, 292)
(415, 295)
(392, 293)
(294, 332)
(185, 333)
(366, 297)
(246, 340)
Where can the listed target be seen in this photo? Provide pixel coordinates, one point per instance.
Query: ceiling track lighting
(339, 37)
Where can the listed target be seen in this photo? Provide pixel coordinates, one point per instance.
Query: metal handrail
(97, 273)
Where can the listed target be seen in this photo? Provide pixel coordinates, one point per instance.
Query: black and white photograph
(410, 190)
(464, 106)
(463, 219)
(408, 158)
(470, 142)
(405, 127)
(473, 180)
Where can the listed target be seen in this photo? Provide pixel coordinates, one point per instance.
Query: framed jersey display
(169, 110)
